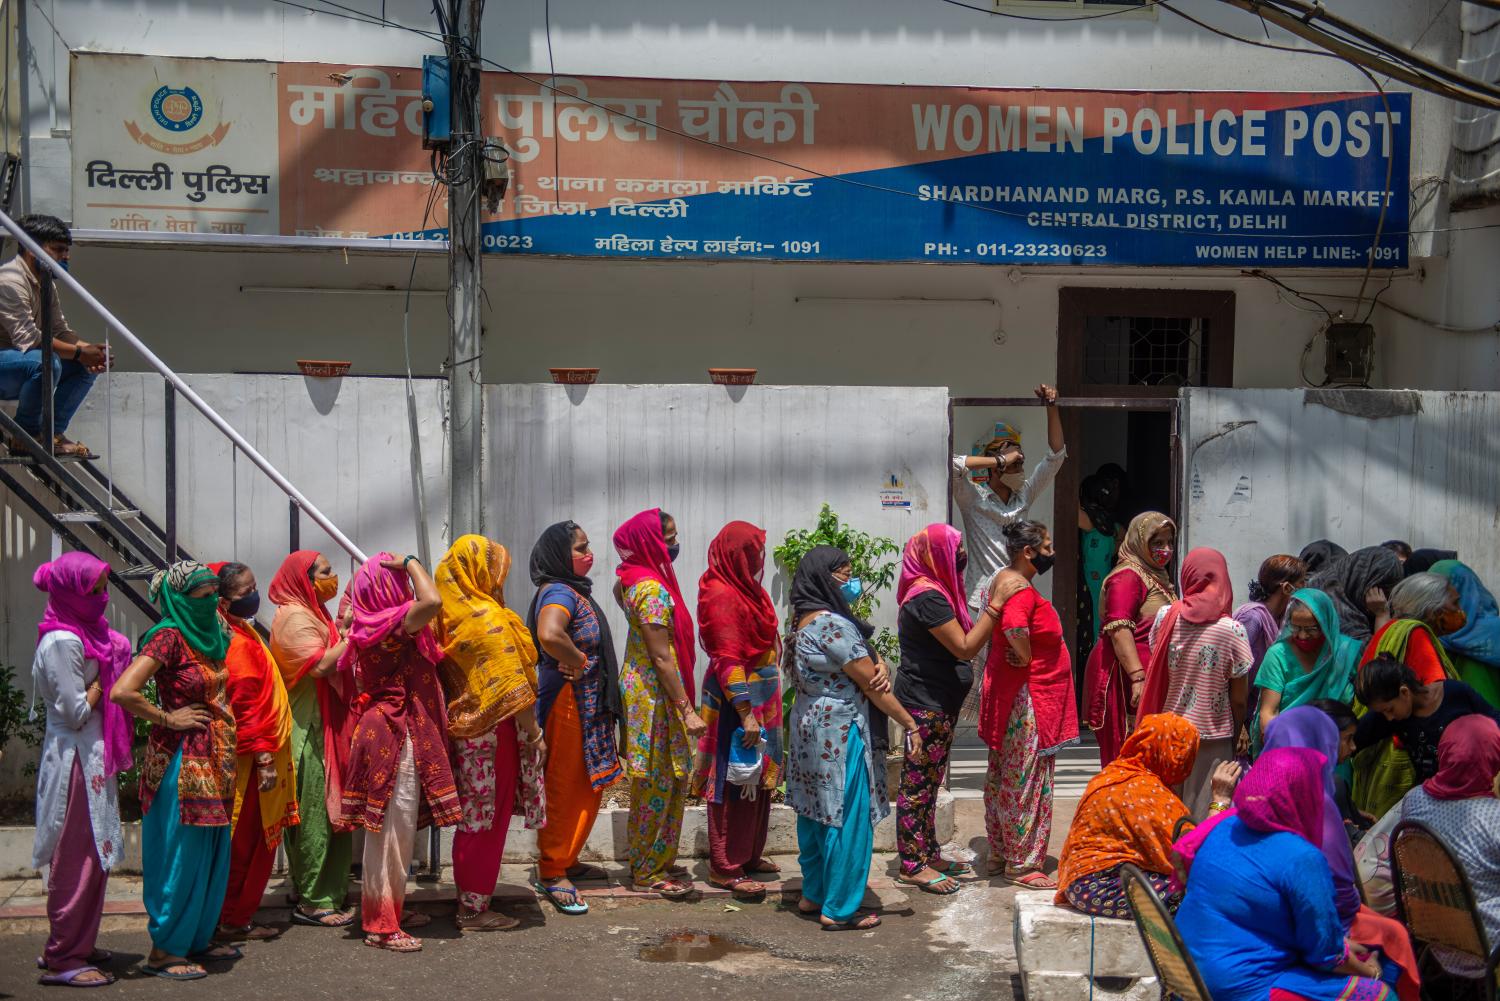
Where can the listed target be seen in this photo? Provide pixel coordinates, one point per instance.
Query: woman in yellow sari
(489, 679)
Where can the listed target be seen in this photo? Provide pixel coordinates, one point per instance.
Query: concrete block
(1059, 950)
(1076, 987)
(16, 843)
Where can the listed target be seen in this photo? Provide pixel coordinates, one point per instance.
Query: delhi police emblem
(176, 110)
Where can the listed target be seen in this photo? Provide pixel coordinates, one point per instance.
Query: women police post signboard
(624, 167)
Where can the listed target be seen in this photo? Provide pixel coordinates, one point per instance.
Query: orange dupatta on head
(1128, 811)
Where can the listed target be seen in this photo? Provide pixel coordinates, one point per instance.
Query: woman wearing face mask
(656, 685)
(1199, 662)
(1424, 607)
(741, 703)
(1310, 661)
(1136, 589)
(265, 802)
(307, 646)
(187, 774)
(1262, 616)
(1027, 712)
(1474, 648)
(938, 639)
(488, 672)
(578, 706)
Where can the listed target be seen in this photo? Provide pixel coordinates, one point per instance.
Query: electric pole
(465, 268)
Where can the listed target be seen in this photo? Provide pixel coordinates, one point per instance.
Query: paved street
(927, 948)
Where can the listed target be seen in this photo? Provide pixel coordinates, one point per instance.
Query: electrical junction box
(1350, 354)
(437, 103)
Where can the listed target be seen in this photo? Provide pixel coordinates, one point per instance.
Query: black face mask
(1043, 562)
(962, 563)
(245, 607)
(673, 550)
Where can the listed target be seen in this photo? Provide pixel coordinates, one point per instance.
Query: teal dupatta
(1331, 677)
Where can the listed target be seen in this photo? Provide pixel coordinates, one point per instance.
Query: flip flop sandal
(557, 894)
(586, 873)
(1034, 880)
(69, 978)
(856, 925)
(246, 933)
(668, 889)
(737, 886)
(397, 941)
(212, 954)
(929, 886)
(485, 920)
(951, 867)
(315, 919)
(99, 957)
(764, 866)
(165, 971)
(415, 919)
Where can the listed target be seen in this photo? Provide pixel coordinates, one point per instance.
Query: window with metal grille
(1166, 351)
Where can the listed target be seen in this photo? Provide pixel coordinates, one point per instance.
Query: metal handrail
(176, 382)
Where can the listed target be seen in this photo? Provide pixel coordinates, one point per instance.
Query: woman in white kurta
(87, 744)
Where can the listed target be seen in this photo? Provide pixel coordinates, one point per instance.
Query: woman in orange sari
(307, 648)
(263, 730)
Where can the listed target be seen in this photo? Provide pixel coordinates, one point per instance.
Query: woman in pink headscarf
(1199, 669)
(78, 657)
(938, 639)
(399, 777)
(656, 686)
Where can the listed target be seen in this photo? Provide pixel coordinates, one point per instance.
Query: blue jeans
(21, 379)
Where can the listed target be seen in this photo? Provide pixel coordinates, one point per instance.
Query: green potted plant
(15, 713)
(868, 555)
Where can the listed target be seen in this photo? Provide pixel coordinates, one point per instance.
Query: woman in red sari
(263, 732)
(741, 695)
(1135, 590)
(399, 775)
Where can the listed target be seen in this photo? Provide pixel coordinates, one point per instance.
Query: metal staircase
(78, 499)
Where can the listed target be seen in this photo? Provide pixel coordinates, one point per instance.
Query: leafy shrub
(868, 555)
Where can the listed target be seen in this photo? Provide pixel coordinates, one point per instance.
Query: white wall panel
(709, 455)
(1293, 471)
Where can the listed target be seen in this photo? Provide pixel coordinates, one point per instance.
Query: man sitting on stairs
(75, 363)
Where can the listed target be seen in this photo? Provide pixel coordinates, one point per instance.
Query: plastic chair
(1174, 968)
(1436, 903)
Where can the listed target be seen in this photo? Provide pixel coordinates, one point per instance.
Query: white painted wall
(344, 442)
(1302, 471)
(770, 455)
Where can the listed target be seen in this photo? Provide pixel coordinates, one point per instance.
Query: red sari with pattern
(399, 697)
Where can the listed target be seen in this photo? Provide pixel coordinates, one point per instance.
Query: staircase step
(91, 517)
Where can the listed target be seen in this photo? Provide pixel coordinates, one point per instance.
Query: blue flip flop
(574, 909)
(165, 971)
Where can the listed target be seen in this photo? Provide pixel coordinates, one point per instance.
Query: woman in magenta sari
(1135, 590)
(399, 776)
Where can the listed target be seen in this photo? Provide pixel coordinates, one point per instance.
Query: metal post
(49, 377)
(465, 164)
(169, 437)
(295, 528)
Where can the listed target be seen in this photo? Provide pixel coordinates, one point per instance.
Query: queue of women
(425, 700)
(1361, 685)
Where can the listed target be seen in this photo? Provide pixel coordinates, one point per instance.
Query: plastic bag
(745, 763)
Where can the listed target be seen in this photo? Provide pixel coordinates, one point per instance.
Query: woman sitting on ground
(1129, 813)
(1474, 647)
(1259, 917)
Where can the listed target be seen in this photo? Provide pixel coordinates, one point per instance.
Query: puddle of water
(697, 947)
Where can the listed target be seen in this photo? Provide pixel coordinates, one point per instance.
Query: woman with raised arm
(399, 777)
